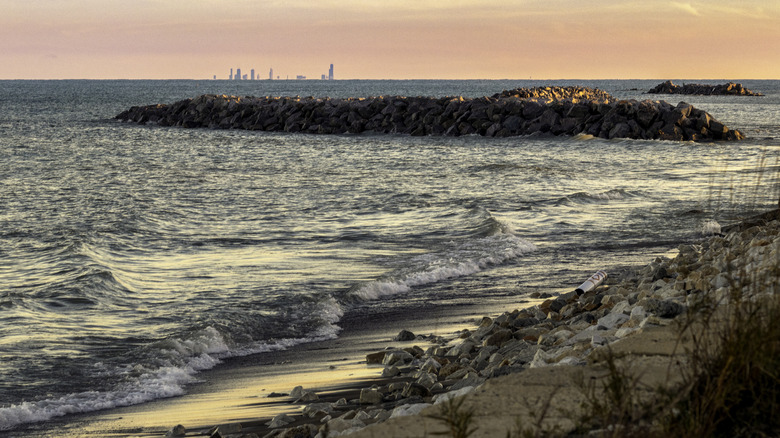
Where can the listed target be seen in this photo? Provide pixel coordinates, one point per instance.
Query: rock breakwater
(541, 110)
(728, 89)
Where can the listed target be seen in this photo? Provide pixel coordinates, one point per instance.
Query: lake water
(134, 257)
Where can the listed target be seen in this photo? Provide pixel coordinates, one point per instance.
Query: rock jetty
(729, 89)
(565, 329)
(541, 110)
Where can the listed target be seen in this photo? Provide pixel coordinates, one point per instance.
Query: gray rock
(664, 308)
(391, 371)
(340, 402)
(307, 397)
(224, 430)
(622, 307)
(176, 431)
(280, 420)
(396, 387)
(612, 320)
(498, 338)
(314, 409)
(430, 365)
(296, 393)
(413, 389)
(395, 356)
(464, 347)
(375, 358)
(339, 425)
(362, 416)
(302, 431)
(460, 373)
(427, 380)
(621, 130)
(638, 314)
(404, 336)
(471, 381)
(370, 396)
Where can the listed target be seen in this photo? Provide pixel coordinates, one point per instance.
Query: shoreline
(644, 331)
(237, 392)
(237, 388)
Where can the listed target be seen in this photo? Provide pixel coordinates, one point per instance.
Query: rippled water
(131, 257)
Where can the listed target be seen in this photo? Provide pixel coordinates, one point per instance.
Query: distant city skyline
(238, 76)
(392, 39)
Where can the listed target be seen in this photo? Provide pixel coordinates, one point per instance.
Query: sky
(390, 39)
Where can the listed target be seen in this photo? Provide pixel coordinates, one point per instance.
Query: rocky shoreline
(728, 89)
(523, 111)
(567, 329)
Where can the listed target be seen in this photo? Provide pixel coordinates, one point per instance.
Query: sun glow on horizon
(395, 39)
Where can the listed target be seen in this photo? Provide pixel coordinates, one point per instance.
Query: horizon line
(383, 79)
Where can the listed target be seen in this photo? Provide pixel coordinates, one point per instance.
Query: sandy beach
(241, 397)
(238, 390)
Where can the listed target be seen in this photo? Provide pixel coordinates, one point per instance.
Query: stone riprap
(565, 329)
(728, 89)
(548, 94)
(541, 110)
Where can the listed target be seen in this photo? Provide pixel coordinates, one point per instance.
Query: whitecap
(463, 260)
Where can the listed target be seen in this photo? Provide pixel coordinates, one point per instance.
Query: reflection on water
(135, 257)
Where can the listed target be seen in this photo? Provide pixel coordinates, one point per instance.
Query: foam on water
(465, 259)
(183, 359)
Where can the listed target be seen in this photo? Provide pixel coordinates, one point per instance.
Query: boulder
(370, 396)
(391, 371)
(280, 420)
(404, 336)
(315, 409)
(223, 430)
(413, 389)
(498, 338)
(612, 320)
(375, 358)
(307, 397)
(296, 393)
(176, 431)
(663, 308)
(397, 356)
(302, 431)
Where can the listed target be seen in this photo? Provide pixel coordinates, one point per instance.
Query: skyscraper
(231, 74)
(238, 74)
(252, 75)
(330, 73)
(271, 75)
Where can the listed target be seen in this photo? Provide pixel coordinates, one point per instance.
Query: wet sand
(238, 389)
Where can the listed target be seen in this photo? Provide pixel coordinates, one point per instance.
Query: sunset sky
(392, 39)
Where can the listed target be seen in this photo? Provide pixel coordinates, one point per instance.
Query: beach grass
(730, 381)
(457, 418)
(732, 385)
